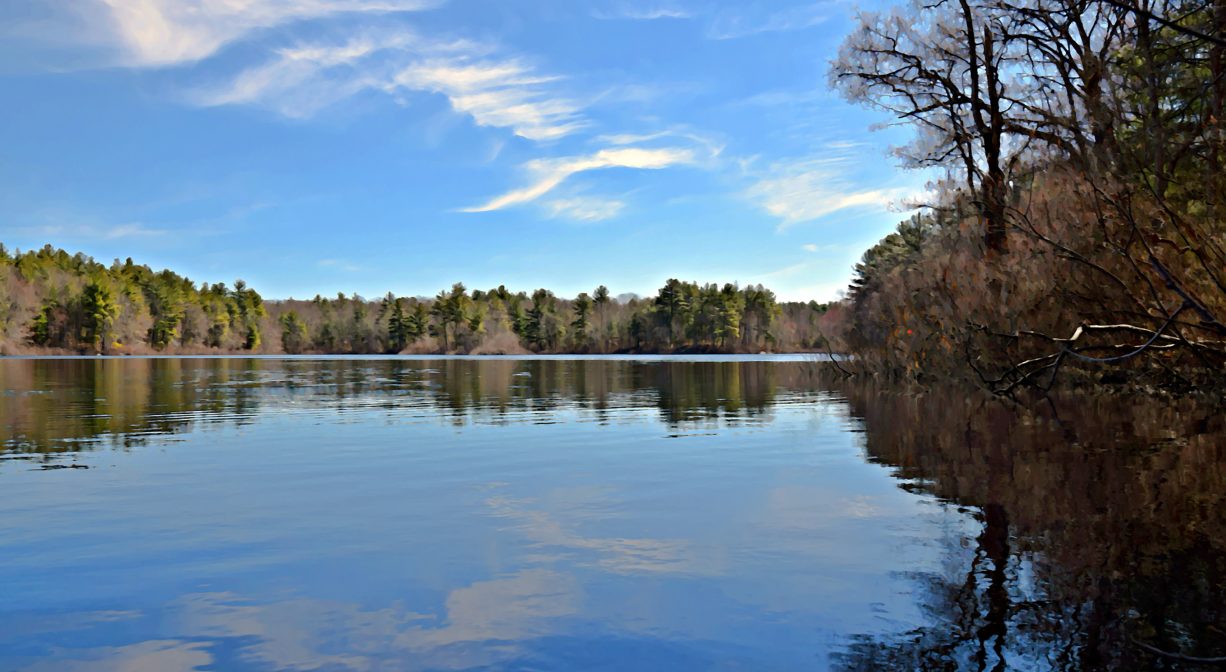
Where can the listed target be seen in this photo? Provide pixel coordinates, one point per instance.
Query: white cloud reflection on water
(484, 543)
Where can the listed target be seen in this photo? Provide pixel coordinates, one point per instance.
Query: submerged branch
(1213, 660)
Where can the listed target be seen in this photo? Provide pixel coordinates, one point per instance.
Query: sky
(367, 146)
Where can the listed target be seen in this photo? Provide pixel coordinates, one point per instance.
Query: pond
(742, 513)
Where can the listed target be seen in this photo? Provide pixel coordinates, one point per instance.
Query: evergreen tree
(293, 333)
(99, 309)
(583, 310)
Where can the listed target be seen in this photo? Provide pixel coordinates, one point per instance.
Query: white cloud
(711, 147)
(630, 12)
(504, 94)
(293, 84)
(97, 231)
(584, 208)
(738, 23)
(795, 282)
(549, 173)
(340, 264)
(167, 32)
(815, 248)
(630, 138)
(500, 93)
(803, 191)
(804, 268)
(299, 81)
(132, 230)
(823, 291)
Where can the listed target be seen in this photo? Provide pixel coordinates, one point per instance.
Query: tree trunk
(1217, 101)
(994, 186)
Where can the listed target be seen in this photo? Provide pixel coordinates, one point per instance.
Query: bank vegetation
(1076, 234)
(53, 302)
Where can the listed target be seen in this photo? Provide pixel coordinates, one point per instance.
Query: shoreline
(620, 357)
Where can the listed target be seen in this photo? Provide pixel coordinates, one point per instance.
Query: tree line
(51, 300)
(1076, 231)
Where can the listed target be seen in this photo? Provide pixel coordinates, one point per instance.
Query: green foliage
(399, 327)
(673, 304)
(730, 309)
(72, 302)
(476, 319)
(579, 327)
(41, 325)
(895, 249)
(540, 319)
(246, 308)
(166, 302)
(99, 311)
(294, 337)
(419, 321)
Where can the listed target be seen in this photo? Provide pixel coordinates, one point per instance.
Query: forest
(55, 302)
(1074, 232)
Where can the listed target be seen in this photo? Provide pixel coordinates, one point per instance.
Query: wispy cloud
(793, 282)
(340, 264)
(743, 21)
(130, 230)
(804, 268)
(168, 32)
(89, 231)
(584, 208)
(635, 12)
(823, 291)
(495, 92)
(815, 248)
(299, 81)
(629, 138)
(295, 83)
(549, 173)
(710, 146)
(803, 191)
(739, 19)
(504, 94)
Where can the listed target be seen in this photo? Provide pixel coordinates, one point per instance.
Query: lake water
(617, 514)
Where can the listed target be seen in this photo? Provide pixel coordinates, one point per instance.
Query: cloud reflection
(151, 656)
(613, 554)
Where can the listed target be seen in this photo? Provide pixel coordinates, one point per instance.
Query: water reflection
(1102, 531)
(542, 514)
(65, 405)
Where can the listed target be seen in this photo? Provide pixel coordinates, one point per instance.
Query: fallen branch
(1128, 355)
(1217, 660)
(830, 354)
(1027, 372)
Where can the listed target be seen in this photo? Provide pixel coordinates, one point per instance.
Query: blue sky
(317, 146)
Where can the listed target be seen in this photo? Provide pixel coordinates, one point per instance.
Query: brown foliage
(1095, 133)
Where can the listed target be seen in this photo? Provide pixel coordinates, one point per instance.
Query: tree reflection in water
(1101, 519)
(1102, 531)
(65, 405)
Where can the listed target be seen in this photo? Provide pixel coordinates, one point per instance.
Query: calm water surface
(549, 514)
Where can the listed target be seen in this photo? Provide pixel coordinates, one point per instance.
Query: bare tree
(939, 66)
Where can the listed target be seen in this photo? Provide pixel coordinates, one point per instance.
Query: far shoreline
(622, 357)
